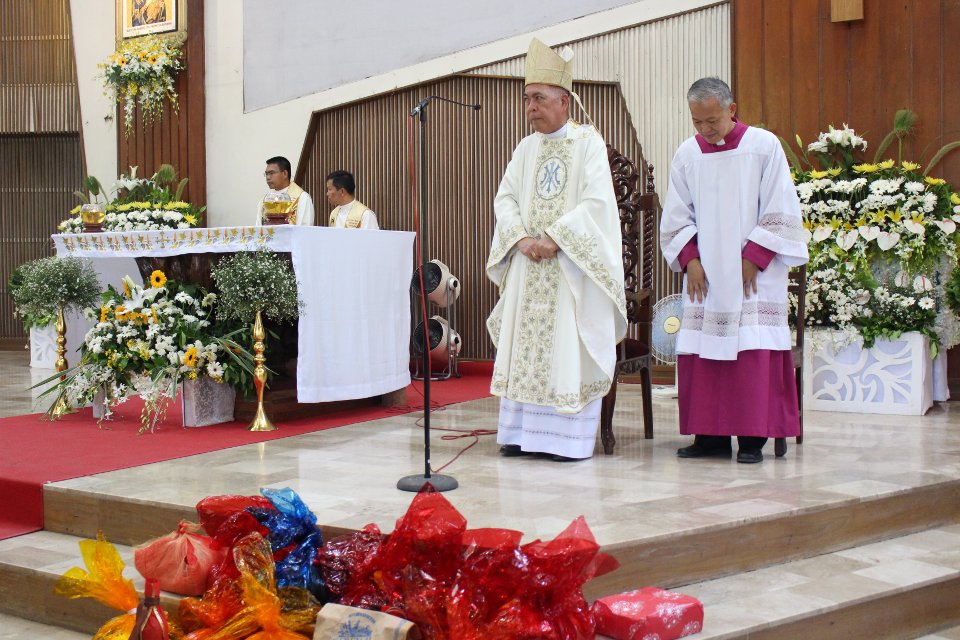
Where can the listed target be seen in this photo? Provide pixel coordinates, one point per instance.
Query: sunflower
(157, 279)
(190, 357)
(104, 313)
(120, 313)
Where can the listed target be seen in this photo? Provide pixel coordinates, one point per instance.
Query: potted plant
(254, 285)
(43, 291)
(883, 238)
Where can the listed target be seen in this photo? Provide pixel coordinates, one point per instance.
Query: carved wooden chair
(638, 206)
(798, 287)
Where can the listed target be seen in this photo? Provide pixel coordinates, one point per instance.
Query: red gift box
(648, 613)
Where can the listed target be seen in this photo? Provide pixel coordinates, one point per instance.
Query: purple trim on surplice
(730, 142)
(758, 254)
(688, 253)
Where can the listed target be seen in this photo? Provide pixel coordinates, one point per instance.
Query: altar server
(556, 258)
(731, 222)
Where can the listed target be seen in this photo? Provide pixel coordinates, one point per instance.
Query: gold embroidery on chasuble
(531, 363)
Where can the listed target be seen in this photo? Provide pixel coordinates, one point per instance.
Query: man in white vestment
(731, 222)
(348, 212)
(277, 174)
(557, 259)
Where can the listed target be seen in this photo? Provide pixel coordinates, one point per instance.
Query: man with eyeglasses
(300, 210)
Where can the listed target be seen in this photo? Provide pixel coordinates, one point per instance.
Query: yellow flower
(910, 166)
(817, 175)
(152, 59)
(120, 313)
(886, 164)
(861, 221)
(807, 225)
(865, 168)
(896, 216)
(157, 279)
(121, 61)
(879, 216)
(190, 357)
(190, 219)
(124, 207)
(933, 182)
(835, 172)
(75, 210)
(834, 223)
(142, 54)
(153, 310)
(954, 198)
(126, 288)
(104, 313)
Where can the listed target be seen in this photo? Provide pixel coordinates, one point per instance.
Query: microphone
(423, 104)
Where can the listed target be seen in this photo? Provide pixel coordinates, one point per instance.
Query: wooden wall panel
(796, 71)
(179, 137)
(467, 152)
(38, 84)
(40, 173)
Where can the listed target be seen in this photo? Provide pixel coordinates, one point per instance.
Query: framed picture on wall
(142, 17)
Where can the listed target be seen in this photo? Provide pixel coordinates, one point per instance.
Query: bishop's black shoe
(707, 447)
(513, 451)
(749, 456)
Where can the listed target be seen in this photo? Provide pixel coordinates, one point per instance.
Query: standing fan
(663, 340)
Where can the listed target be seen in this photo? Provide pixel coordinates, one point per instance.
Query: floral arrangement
(254, 281)
(140, 204)
(882, 236)
(146, 340)
(40, 288)
(143, 70)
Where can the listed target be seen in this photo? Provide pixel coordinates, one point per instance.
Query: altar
(354, 330)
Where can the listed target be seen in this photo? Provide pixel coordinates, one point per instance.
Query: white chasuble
(557, 322)
(725, 200)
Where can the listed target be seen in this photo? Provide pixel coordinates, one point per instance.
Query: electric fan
(663, 339)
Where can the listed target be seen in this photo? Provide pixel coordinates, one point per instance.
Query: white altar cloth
(354, 331)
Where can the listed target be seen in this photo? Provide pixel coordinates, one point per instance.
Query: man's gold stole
(353, 218)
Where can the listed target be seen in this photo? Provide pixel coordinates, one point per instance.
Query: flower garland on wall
(140, 204)
(143, 70)
(883, 239)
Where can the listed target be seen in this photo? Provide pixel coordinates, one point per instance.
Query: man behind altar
(348, 212)
(557, 260)
(731, 222)
(300, 208)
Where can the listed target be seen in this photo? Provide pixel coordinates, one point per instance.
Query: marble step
(678, 553)
(903, 587)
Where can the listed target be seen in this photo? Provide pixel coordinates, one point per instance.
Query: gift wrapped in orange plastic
(265, 613)
(103, 581)
(181, 561)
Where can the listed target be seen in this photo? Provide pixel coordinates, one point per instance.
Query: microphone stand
(437, 481)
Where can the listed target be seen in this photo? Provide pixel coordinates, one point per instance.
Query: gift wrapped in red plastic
(226, 518)
(648, 612)
(342, 560)
(181, 561)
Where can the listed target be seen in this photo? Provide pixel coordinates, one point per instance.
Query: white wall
(238, 142)
(298, 47)
(94, 35)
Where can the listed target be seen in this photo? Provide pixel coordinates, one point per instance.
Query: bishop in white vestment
(731, 222)
(557, 259)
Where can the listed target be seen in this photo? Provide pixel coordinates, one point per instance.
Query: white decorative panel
(43, 347)
(892, 377)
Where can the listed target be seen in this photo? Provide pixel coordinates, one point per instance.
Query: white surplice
(557, 322)
(367, 221)
(725, 200)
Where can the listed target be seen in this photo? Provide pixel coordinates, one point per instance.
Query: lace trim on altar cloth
(722, 324)
(789, 228)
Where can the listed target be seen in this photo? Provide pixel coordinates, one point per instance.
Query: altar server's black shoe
(749, 456)
(558, 458)
(706, 446)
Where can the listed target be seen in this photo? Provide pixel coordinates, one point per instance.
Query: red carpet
(34, 452)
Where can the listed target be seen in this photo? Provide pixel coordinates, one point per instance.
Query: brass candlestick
(260, 421)
(61, 408)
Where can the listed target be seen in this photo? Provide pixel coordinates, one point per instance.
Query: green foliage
(256, 280)
(40, 287)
